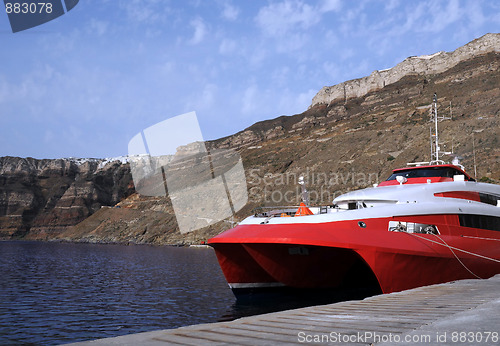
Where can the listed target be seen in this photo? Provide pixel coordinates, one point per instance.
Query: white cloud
(230, 12)
(167, 67)
(293, 42)
(351, 18)
(474, 14)
(495, 15)
(227, 46)
(440, 17)
(281, 76)
(427, 17)
(347, 54)
(200, 30)
(32, 87)
(391, 5)
(332, 70)
(290, 21)
(296, 24)
(208, 96)
(278, 19)
(98, 27)
(330, 5)
(143, 11)
(250, 100)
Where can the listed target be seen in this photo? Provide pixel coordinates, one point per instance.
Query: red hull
(335, 254)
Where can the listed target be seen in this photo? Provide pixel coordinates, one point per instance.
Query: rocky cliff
(338, 144)
(40, 198)
(417, 65)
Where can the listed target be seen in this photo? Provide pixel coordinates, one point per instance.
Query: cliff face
(40, 197)
(421, 65)
(337, 145)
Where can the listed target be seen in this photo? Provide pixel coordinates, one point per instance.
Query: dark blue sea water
(56, 293)
(53, 293)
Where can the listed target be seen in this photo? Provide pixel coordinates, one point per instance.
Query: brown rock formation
(40, 197)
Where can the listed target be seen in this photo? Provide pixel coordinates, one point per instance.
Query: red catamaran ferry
(424, 225)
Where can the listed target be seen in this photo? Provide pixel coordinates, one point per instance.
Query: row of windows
(491, 223)
(428, 172)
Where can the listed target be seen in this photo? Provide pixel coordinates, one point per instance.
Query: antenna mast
(436, 138)
(435, 148)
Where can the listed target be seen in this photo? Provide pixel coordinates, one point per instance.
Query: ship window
(491, 223)
(445, 172)
(489, 199)
(471, 195)
(356, 205)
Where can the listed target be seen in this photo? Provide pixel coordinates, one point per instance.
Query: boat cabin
(426, 174)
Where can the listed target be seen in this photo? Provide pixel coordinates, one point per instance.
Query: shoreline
(65, 241)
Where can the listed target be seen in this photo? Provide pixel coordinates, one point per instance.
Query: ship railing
(284, 211)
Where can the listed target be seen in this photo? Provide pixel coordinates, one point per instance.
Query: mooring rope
(451, 247)
(444, 243)
(458, 259)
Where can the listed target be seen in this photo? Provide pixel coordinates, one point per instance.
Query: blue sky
(85, 83)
